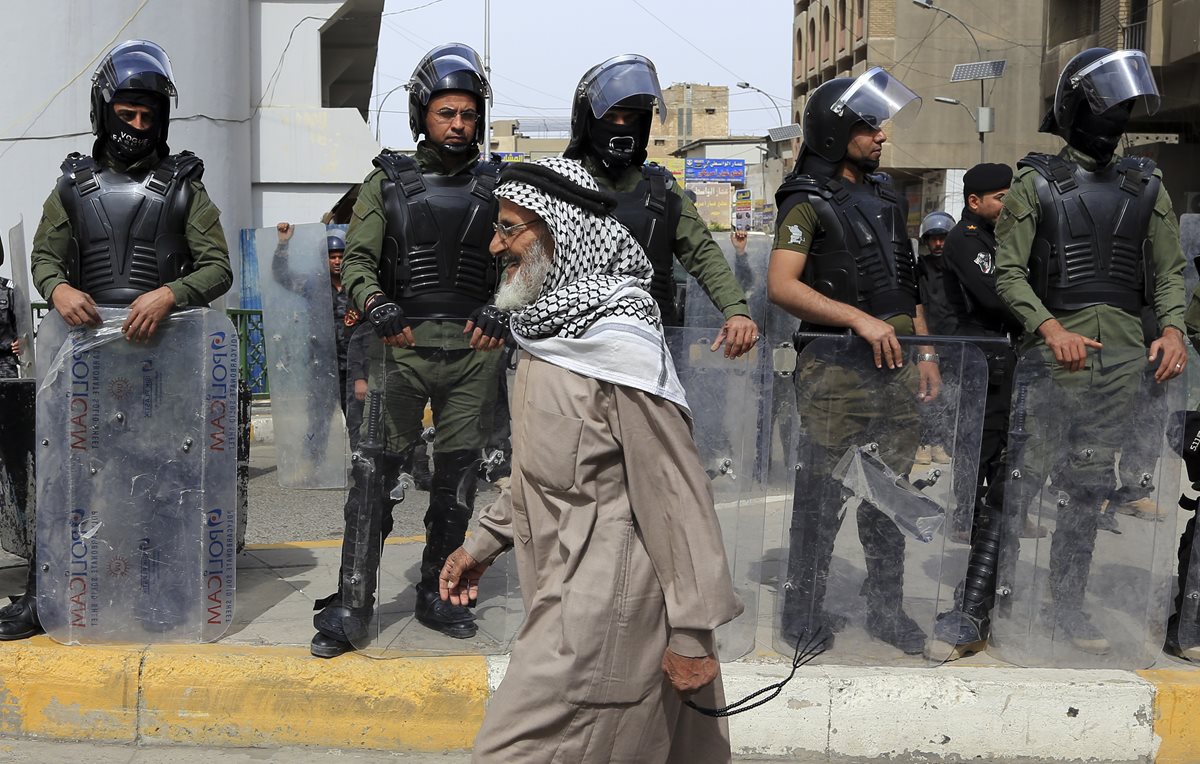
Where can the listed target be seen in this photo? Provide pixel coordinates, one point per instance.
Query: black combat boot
(883, 552)
(815, 524)
(451, 504)
(19, 619)
(964, 630)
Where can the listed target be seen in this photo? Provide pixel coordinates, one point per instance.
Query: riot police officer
(1087, 238)
(611, 113)
(417, 266)
(931, 269)
(130, 224)
(10, 342)
(834, 277)
(970, 273)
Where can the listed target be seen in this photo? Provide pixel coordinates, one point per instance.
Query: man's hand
(931, 381)
(146, 312)
(459, 580)
(882, 336)
(1070, 349)
(76, 307)
(488, 327)
(360, 389)
(688, 675)
(738, 335)
(285, 231)
(738, 240)
(389, 322)
(15, 347)
(1174, 354)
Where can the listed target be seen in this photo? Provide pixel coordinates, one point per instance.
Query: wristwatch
(928, 357)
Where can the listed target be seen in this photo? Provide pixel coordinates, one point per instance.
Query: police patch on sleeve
(795, 234)
(985, 262)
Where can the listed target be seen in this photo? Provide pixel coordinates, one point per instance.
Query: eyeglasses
(447, 115)
(506, 232)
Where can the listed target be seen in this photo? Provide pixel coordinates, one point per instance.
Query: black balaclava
(616, 146)
(123, 141)
(1098, 135)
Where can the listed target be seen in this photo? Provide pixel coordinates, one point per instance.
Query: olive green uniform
(693, 245)
(459, 383)
(210, 276)
(1075, 422)
(842, 404)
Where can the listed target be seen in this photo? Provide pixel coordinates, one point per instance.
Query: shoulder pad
(966, 229)
(491, 168)
(76, 162)
(807, 183)
(1144, 165)
(652, 170)
(185, 164)
(393, 163)
(880, 178)
(1046, 165)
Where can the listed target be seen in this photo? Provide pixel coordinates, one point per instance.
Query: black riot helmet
(836, 106)
(453, 66)
(629, 81)
(1095, 96)
(139, 72)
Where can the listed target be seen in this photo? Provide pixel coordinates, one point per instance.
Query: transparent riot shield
(298, 327)
(1079, 597)
(866, 561)
(22, 308)
(1188, 599)
(136, 477)
(385, 584)
(17, 474)
(726, 399)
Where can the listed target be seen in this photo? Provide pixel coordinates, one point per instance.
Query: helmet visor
(136, 65)
(1118, 77)
(877, 98)
(624, 77)
(443, 61)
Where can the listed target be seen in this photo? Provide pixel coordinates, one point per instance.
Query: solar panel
(785, 132)
(978, 70)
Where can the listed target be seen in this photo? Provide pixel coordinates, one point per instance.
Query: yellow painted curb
(1176, 709)
(53, 691)
(228, 695)
(254, 696)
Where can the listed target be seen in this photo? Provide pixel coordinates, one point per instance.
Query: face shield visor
(136, 65)
(443, 62)
(1120, 76)
(877, 98)
(624, 77)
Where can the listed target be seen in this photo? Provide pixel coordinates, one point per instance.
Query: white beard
(525, 284)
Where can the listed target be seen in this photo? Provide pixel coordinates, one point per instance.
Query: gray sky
(540, 49)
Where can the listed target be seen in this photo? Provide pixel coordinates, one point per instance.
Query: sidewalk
(259, 686)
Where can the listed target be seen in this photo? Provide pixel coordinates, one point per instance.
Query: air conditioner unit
(1191, 203)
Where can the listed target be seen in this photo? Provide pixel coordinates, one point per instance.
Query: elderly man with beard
(610, 513)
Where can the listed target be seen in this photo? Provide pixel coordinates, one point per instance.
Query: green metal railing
(252, 352)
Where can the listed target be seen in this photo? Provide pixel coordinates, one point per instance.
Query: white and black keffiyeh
(594, 314)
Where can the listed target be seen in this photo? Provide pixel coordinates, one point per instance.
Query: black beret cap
(987, 177)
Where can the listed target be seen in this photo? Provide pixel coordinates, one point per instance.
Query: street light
(748, 86)
(985, 114)
(984, 120)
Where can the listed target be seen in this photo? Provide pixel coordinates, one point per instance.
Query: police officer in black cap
(970, 259)
(611, 113)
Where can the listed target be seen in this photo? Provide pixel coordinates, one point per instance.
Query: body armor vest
(127, 228)
(435, 261)
(651, 212)
(861, 254)
(1092, 246)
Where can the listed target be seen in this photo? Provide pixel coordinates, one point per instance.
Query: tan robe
(619, 554)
